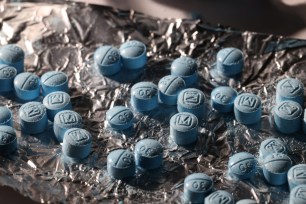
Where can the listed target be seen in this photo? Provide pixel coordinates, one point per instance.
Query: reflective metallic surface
(64, 37)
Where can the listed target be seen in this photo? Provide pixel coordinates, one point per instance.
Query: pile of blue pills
(47, 98)
(33, 115)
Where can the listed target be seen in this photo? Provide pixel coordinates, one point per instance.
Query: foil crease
(64, 36)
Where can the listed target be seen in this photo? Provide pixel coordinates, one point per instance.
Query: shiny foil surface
(64, 36)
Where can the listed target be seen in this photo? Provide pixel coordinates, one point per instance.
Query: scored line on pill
(25, 81)
(228, 55)
(242, 161)
(119, 158)
(278, 159)
(101, 61)
(51, 77)
(118, 113)
(170, 84)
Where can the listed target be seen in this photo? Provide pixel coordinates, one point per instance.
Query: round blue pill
(297, 175)
(133, 54)
(275, 168)
(184, 128)
(242, 166)
(270, 146)
(290, 89)
(77, 143)
(196, 187)
(8, 140)
(33, 117)
(246, 201)
(247, 108)
(120, 117)
(298, 195)
(222, 99)
(27, 86)
(121, 164)
(186, 68)
(107, 60)
(168, 89)
(144, 96)
(230, 61)
(12, 55)
(288, 117)
(7, 75)
(6, 116)
(65, 120)
(219, 197)
(55, 102)
(54, 81)
(148, 154)
(193, 101)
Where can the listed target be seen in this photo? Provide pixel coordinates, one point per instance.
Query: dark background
(287, 17)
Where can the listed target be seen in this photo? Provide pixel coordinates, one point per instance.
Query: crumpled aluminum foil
(64, 36)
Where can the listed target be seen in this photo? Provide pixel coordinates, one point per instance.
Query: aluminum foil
(64, 36)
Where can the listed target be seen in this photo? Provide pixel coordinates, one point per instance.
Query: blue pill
(133, 54)
(184, 128)
(276, 167)
(12, 55)
(55, 102)
(54, 81)
(107, 60)
(33, 117)
(288, 117)
(6, 116)
(219, 197)
(144, 96)
(27, 86)
(7, 75)
(290, 89)
(186, 68)
(242, 166)
(247, 108)
(168, 89)
(298, 195)
(297, 175)
(77, 143)
(230, 61)
(8, 140)
(121, 164)
(246, 201)
(192, 101)
(65, 120)
(270, 146)
(196, 187)
(120, 117)
(148, 154)
(222, 99)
